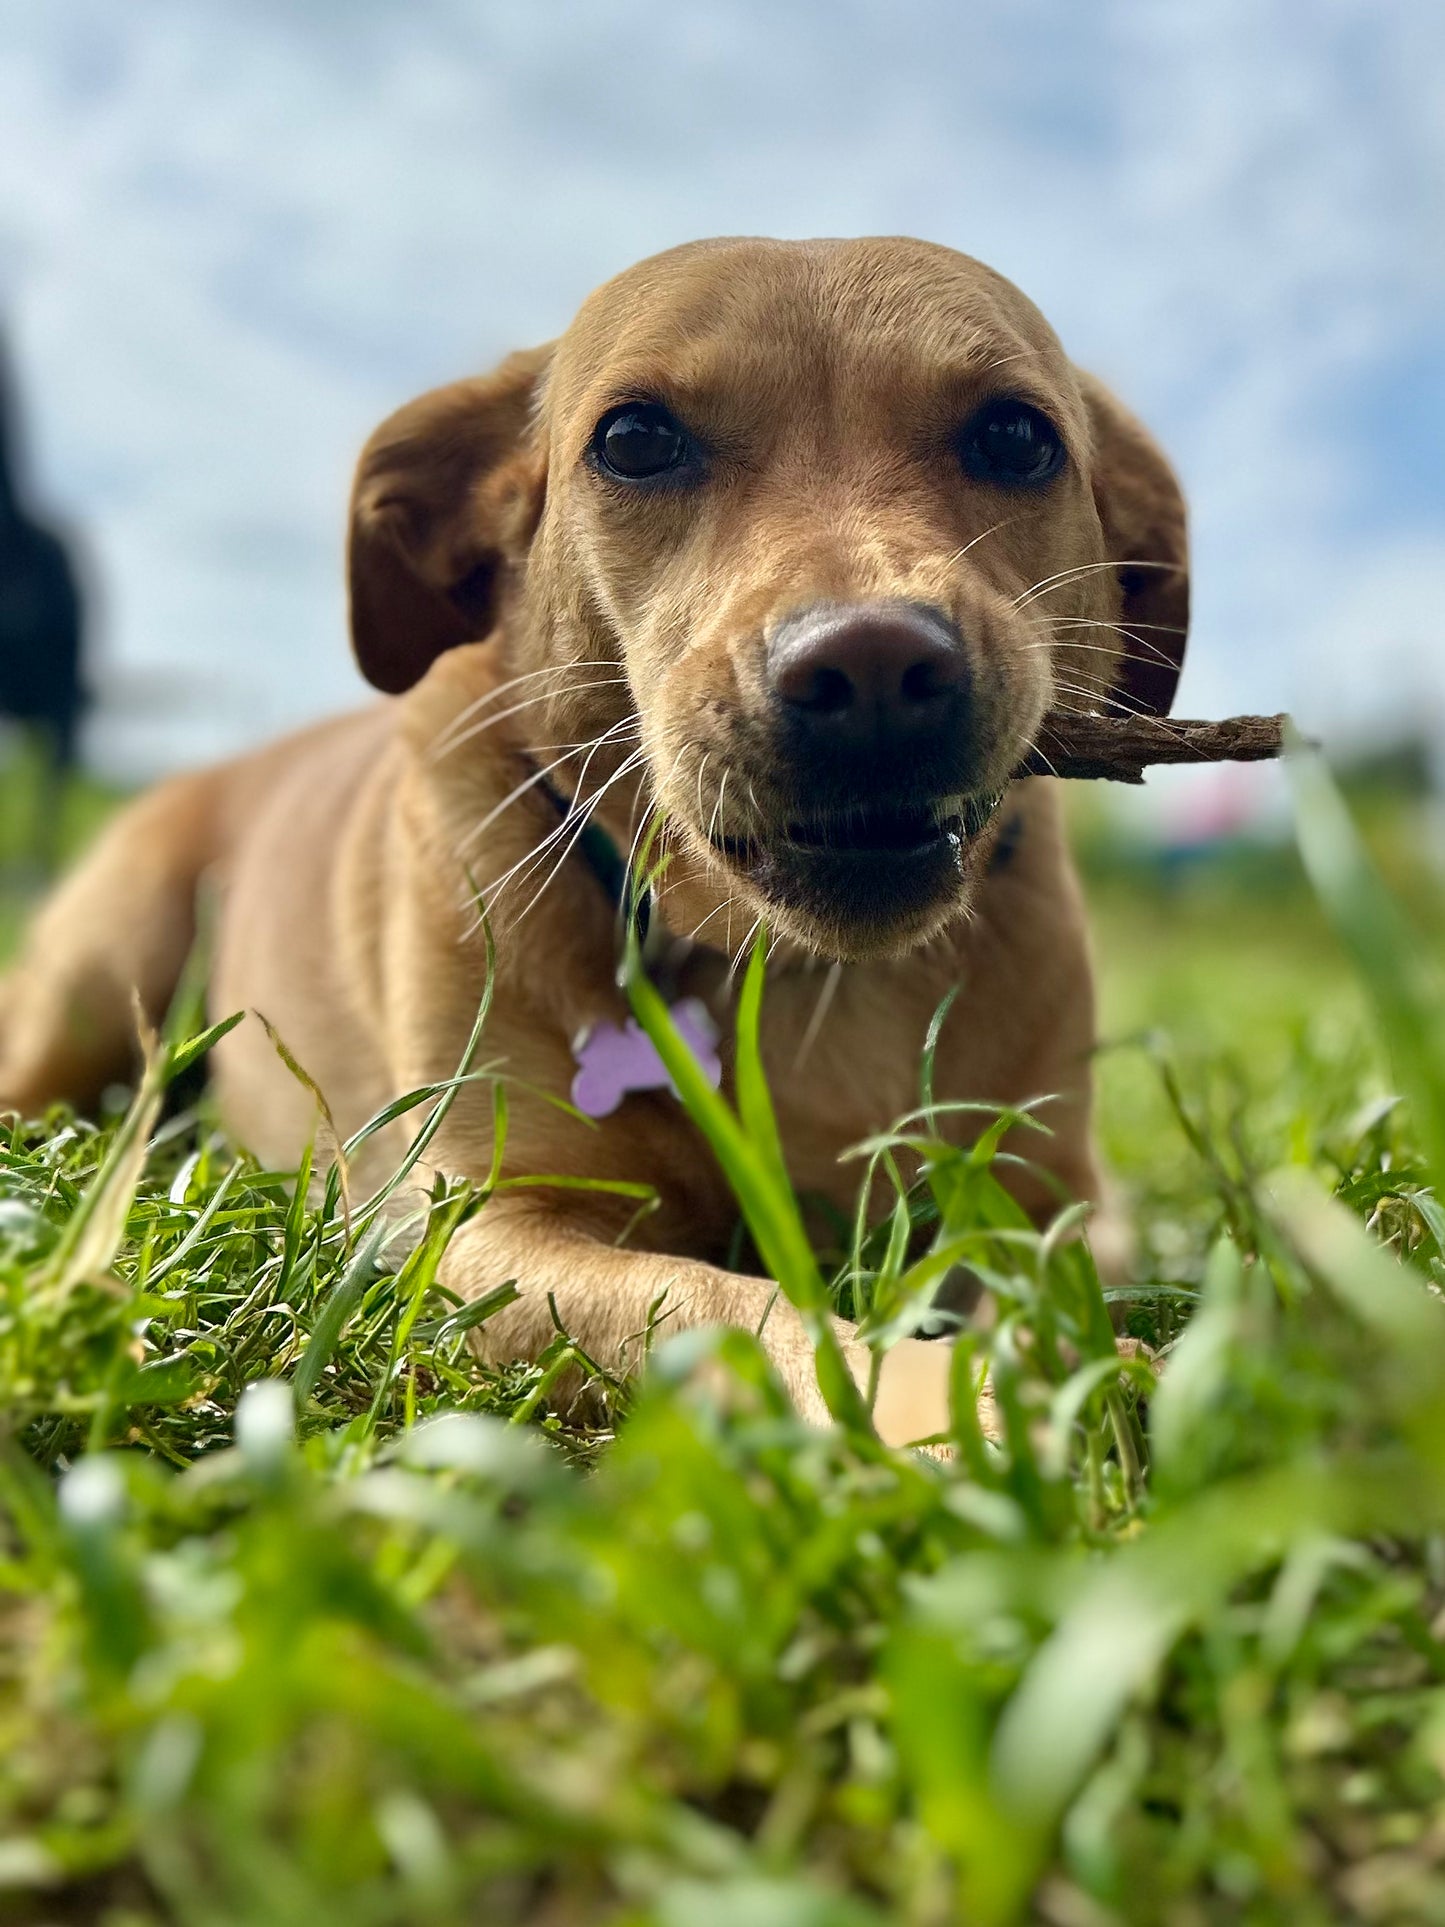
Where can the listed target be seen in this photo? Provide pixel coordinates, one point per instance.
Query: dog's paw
(913, 1390)
(1130, 1348)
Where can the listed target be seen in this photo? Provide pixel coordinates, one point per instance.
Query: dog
(788, 546)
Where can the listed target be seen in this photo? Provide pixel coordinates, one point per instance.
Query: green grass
(309, 1617)
(83, 806)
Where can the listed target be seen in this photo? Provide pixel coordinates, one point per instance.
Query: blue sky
(234, 233)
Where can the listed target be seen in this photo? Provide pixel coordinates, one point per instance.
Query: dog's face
(847, 522)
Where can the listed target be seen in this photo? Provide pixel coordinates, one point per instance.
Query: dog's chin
(864, 883)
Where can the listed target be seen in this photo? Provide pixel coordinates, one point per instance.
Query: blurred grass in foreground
(363, 1643)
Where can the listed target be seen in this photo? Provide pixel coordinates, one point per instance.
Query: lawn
(308, 1617)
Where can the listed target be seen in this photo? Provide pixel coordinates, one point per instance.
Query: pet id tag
(614, 1059)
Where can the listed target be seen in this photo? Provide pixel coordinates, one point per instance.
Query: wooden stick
(1118, 749)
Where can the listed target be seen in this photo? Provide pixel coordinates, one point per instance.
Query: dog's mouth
(869, 866)
(891, 829)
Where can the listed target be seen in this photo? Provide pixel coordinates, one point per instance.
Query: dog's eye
(1011, 444)
(640, 440)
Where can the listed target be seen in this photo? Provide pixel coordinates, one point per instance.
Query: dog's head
(816, 533)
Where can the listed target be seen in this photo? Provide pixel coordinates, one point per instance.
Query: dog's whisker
(1091, 693)
(959, 554)
(495, 694)
(657, 812)
(456, 725)
(636, 760)
(592, 745)
(716, 817)
(820, 1010)
(1044, 758)
(649, 816)
(1097, 622)
(652, 816)
(702, 765)
(1049, 583)
(582, 742)
(568, 830)
(1074, 647)
(1130, 705)
(589, 810)
(742, 950)
(515, 709)
(580, 808)
(538, 776)
(539, 849)
(1152, 649)
(706, 919)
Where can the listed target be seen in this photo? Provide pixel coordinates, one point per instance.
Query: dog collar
(614, 1060)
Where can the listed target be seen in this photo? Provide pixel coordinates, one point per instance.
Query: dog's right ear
(446, 490)
(1142, 513)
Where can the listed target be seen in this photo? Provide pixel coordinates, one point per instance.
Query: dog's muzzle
(875, 756)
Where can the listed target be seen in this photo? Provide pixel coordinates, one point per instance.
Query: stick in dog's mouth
(880, 867)
(1116, 748)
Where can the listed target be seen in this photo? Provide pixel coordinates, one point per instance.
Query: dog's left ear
(1141, 507)
(445, 490)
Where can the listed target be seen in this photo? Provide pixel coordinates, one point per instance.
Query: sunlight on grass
(299, 1625)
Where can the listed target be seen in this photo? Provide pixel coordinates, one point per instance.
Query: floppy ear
(1141, 507)
(432, 520)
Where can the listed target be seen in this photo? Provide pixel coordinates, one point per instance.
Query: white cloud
(233, 234)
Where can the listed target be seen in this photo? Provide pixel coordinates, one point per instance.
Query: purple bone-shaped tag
(612, 1061)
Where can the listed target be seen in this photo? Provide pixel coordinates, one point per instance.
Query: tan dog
(797, 542)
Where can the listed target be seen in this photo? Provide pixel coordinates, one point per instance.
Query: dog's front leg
(606, 1297)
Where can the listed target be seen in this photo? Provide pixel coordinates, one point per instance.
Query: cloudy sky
(234, 233)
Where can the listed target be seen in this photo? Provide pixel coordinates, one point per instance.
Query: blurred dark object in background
(41, 634)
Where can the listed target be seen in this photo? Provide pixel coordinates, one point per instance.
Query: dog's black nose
(856, 674)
